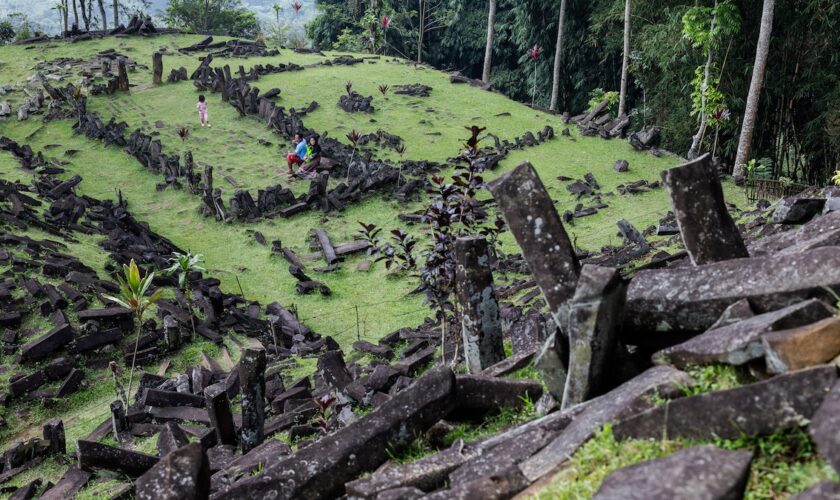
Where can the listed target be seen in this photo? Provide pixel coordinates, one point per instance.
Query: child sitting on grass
(202, 111)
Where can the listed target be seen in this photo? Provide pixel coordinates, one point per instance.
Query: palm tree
(133, 290)
(558, 55)
(183, 264)
(61, 7)
(751, 110)
(622, 100)
(277, 10)
(488, 52)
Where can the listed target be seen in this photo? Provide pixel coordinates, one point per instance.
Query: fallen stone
(71, 482)
(171, 437)
(621, 166)
(689, 300)
(426, 474)
(823, 427)
(552, 362)
(183, 474)
(741, 342)
(797, 210)
(698, 472)
(824, 490)
(802, 347)
(738, 311)
(534, 222)
(627, 399)
(478, 392)
(102, 456)
(504, 484)
(509, 365)
(361, 446)
(820, 232)
(783, 402)
(707, 229)
(49, 343)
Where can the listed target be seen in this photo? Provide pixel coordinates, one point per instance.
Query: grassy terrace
(432, 128)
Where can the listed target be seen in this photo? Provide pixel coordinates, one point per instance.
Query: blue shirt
(300, 150)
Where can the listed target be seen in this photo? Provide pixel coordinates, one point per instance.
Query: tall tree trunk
(488, 51)
(701, 131)
(64, 13)
(75, 14)
(751, 110)
(102, 14)
(625, 63)
(206, 15)
(558, 55)
(85, 14)
(421, 10)
(116, 13)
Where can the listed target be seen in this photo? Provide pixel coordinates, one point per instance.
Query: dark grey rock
(594, 316)
(698, 473)
(183, 474)
(707, 229)
(824, 490)
(689, 300)
(797, 210)
(820, 232)
(534, 222)
(740, 342)
(824, 425)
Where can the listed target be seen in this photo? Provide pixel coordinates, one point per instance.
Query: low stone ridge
(698, 472)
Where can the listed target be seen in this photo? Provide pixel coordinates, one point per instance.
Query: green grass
(784, 463)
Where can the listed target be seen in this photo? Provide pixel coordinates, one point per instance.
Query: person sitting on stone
(313, 158)
(296, 157)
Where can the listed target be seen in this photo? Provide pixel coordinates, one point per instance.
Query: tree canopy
(217, 17)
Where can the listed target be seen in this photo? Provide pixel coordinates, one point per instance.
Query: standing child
(202, 111)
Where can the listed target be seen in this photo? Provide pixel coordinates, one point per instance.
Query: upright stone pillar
(157, 68)
(54, 433)
(707, 229)
(481, 326)
(594, 315)
(118, 420)
(538, 230)
(171, 333)
(122, 75)
(252, 385)
(221, 418)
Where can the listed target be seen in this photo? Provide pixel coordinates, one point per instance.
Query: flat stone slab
(690, 300)
(783, 402)
(627, 399)
(740, 342)
(802, 347)
(698, 473)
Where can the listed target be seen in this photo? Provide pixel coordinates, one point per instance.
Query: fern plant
(134, 295)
